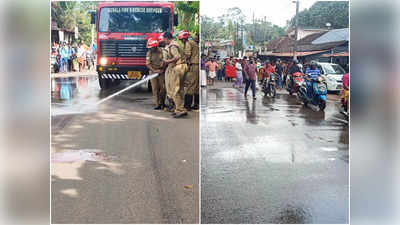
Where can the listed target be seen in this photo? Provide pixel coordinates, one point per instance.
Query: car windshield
(333, 69)
(134, 19)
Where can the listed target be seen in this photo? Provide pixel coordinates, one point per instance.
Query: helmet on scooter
(152, 42)
(183, 34)
(313, 63)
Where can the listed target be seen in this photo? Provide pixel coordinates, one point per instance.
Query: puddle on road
(67, 88)
(81, 155)
(293, 215)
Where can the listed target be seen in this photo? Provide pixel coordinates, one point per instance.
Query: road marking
(127, 88)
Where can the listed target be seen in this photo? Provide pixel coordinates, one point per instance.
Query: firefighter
(191, 51)
(176, 71)
(154, 61)
(171, 105)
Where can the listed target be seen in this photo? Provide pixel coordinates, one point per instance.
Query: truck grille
(123, 48)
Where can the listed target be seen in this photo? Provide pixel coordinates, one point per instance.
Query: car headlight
(103, 61)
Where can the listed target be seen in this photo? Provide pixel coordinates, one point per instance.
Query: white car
(333, 74)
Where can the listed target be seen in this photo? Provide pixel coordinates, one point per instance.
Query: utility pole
(237, 37)
(242, 39)
(254, 33)
(297, 28)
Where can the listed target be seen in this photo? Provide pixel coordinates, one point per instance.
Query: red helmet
(183, 34)
(161, 38)
(152, 42)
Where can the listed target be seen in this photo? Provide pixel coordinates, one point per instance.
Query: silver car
(333, 74)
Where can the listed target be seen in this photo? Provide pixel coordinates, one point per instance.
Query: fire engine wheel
(104, 83)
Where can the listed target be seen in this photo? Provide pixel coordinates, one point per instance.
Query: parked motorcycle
(269, 85)
(318, 95)
(293, 82)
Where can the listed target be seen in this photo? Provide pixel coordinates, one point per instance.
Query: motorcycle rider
(312, 73)
(279, 72)
(293, 69)
(154, 61)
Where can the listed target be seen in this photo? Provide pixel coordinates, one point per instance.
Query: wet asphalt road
(121, 161)
(272, 160)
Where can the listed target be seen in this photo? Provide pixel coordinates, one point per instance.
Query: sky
(276, 11)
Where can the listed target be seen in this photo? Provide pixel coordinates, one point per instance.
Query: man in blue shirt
(64, 58)
(312, 73)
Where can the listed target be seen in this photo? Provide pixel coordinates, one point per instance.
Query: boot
(158, 107)
(171, 105)
(180, 114)
(196, 102)
(188, 102)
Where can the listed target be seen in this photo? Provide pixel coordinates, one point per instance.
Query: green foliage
(70, 14)
(334, 12)
(231, 25)
(188, 13)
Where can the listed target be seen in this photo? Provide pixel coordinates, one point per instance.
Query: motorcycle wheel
(322, 105)
(273, 91)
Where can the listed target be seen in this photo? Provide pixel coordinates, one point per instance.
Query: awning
(336, 54)
(289, 54)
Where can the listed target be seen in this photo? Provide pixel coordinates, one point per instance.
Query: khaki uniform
(176, 75)
(155, 60)
(193, 75)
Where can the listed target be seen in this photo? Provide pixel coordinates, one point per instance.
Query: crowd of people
(249, 70)
(246, 70)
(178, 69)
(67, 57)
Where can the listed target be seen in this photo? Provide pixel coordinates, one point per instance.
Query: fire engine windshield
(134, 19)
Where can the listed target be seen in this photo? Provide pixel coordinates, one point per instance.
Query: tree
(334, 12)
(70, 14)
(188, 12)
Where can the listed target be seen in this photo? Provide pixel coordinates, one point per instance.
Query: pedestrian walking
(219, 71)
(154, 61)
(251, 79)
(81, 57)
(239, 75)
(176, 69)
(64, 58)
(70, 55)
(212, 67)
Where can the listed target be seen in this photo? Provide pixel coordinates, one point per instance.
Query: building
(59, 34)
(221, 48)
(303, 32)
(324, 46)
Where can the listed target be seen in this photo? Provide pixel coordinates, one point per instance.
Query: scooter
(269, 85)
(319, 90)
(293, 82)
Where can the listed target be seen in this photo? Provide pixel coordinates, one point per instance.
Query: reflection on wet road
(119, 162)
(271, 160)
